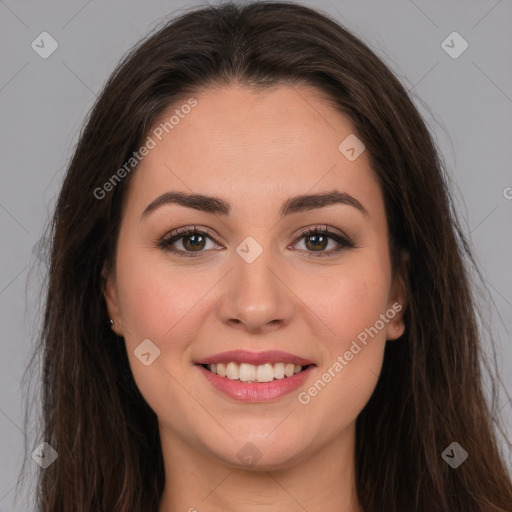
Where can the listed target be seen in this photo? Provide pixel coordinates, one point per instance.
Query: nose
(255, 297)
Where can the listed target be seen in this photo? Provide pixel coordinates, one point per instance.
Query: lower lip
(256, 391)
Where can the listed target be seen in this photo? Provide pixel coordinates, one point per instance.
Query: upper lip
(254, 358)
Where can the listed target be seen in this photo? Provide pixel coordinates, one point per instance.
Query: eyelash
(177, 234)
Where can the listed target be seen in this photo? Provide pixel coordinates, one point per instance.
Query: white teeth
(246, 372)
(289, 369)
(221, 369)
(233, 371)
(264, 373)
(279, 370)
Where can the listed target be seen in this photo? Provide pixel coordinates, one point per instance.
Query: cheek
(350, 302)
(163, 306)
(349, 299)
(157, 302)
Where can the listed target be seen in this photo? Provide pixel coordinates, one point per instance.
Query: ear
(398, 299)
(109, 290)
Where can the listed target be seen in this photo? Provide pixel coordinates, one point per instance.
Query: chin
(258, 453)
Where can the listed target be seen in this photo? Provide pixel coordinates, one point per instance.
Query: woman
(258, 294)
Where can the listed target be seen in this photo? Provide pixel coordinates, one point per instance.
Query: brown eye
(193, 242)
(190, 242)
(318, 241)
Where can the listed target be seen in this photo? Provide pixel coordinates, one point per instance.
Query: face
(255, 291)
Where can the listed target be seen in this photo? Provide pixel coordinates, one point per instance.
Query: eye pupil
(195, 245)
(320, 240)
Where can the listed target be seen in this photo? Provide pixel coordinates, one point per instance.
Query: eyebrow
(216, 205)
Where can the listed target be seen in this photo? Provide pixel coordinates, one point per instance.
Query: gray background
(467, 103)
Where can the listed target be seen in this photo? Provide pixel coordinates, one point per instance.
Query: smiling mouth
(246, 372)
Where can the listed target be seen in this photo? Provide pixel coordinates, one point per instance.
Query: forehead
(250, 146)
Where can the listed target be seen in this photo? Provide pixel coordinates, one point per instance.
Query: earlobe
(398, 300)
(109, 291)
(395, 328)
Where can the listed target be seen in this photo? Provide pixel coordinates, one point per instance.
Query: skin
(255, 150)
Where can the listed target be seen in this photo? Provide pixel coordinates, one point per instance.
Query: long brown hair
(430, 391)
